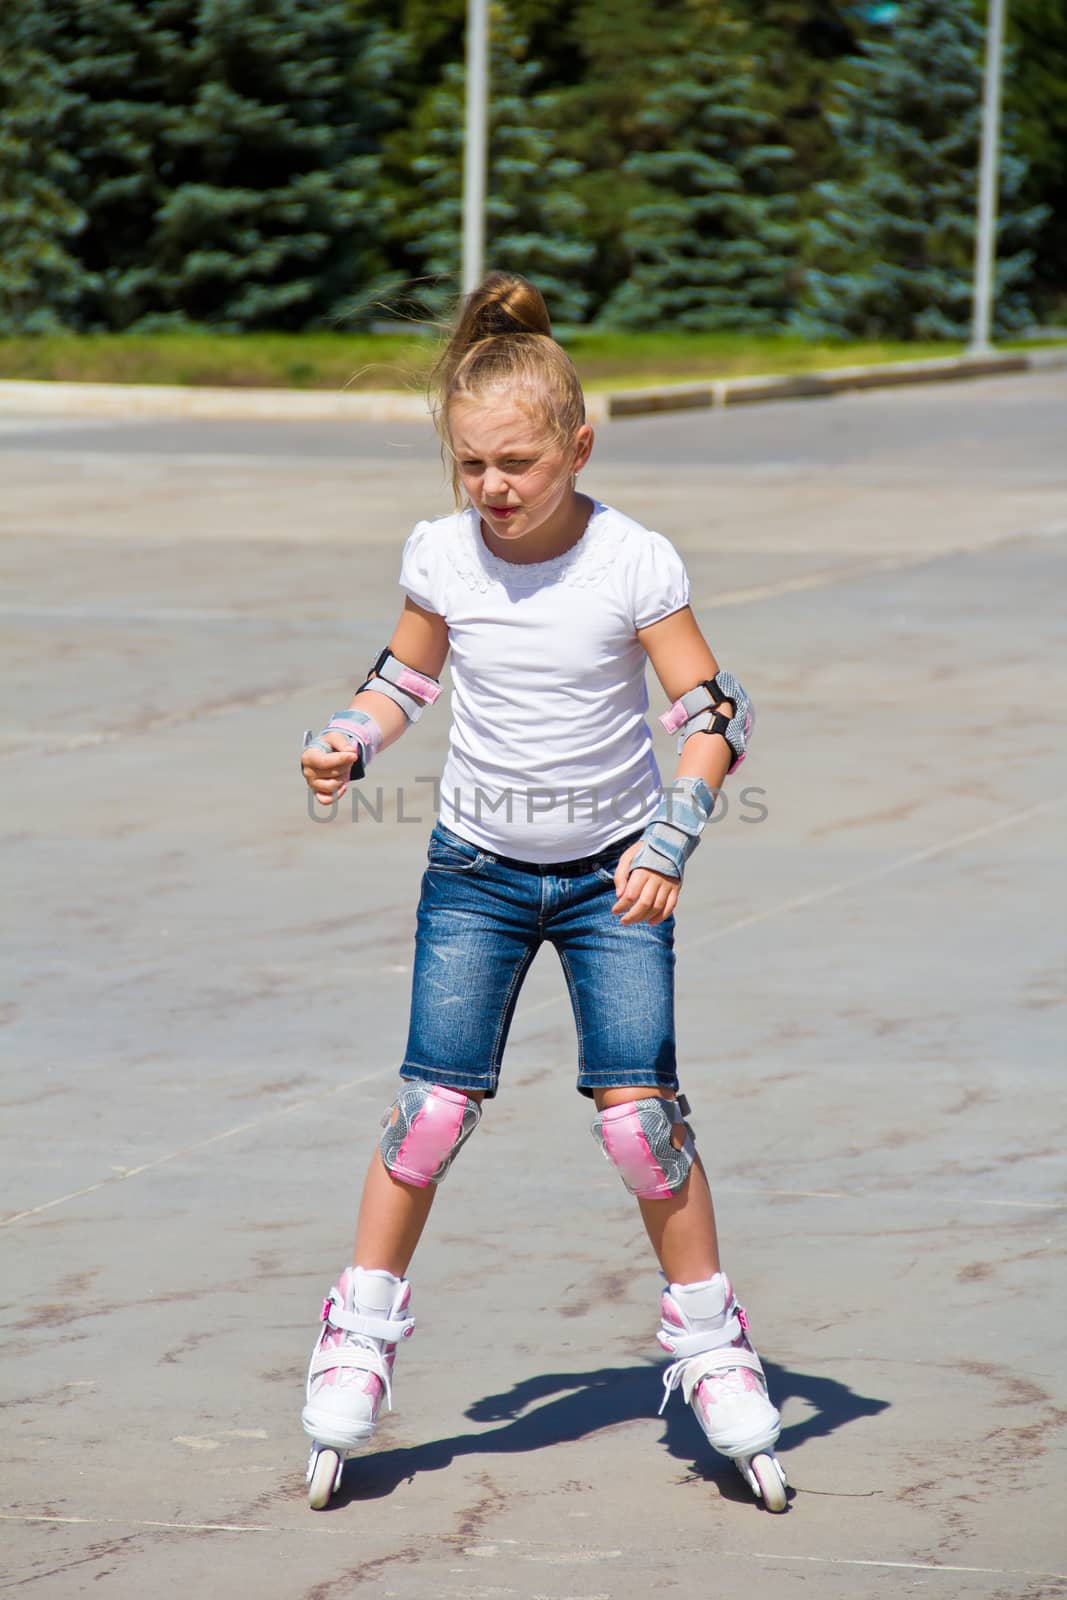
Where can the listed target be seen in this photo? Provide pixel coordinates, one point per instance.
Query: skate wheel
(771, 1479)
(323, 1477)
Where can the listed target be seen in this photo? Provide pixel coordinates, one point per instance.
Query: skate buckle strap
(688, 1372)
(392, 1330)
(685, 1345)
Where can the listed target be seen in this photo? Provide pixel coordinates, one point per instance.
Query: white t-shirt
(550, 757)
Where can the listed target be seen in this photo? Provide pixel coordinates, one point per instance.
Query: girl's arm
(681, 658)
(420, 641)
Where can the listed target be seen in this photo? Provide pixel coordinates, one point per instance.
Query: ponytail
(502, 347)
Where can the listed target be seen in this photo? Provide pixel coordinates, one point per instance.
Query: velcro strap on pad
(707, 722)
(663, 851)
(361, 729)
(408, 689)
(690, 704)
(686, 805)
(674, 831)
(659, 853)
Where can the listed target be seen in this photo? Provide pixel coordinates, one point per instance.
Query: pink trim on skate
(630, 1152)
(430, 1137)
(721, 1386)
(414, 682)
(670, 1313)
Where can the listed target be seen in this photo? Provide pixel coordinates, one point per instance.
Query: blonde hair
(502, 346)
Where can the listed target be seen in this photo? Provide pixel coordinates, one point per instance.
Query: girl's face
(517, 477)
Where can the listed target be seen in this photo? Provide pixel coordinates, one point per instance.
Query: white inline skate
(721, 1377)
(363, 1320)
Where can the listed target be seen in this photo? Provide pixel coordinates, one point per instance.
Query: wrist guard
(674, 831)
(362, 733)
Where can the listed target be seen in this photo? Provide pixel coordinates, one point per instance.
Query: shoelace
(673, 1378)
(334, 1317)
(377, 1365)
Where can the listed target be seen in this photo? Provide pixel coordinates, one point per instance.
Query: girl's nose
(494, 482)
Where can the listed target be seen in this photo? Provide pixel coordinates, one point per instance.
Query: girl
(553, 827)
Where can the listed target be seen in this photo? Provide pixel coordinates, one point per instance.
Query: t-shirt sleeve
(418, 570)
(661, 583)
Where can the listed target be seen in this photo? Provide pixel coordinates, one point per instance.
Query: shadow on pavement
(588, 1402)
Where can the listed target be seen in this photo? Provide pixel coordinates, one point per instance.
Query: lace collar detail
(582, 566)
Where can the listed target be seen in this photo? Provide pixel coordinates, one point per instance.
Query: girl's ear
(583, 447)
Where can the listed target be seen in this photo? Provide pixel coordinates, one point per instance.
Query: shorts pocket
(452, 854)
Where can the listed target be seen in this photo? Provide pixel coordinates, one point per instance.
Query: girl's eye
(471, 466)
(516, 465)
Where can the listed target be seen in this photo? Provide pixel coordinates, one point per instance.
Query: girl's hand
(643, 896)
(326, 774)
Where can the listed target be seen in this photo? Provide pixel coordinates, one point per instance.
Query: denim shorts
(482, 919)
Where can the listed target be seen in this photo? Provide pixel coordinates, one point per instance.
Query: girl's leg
(392, 1216)
(719, 1372)
(477, 932)
(682, 1229)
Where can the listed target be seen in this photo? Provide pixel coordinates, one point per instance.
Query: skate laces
(372, 1360)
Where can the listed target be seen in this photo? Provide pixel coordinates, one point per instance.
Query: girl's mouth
(501, 513)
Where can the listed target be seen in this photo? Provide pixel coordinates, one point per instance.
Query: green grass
(622, 361)
(390, 361)
(236, 360)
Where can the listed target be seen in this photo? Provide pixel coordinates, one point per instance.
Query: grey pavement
(206, 1001)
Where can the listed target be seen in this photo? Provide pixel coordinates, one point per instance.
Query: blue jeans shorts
(482, 919)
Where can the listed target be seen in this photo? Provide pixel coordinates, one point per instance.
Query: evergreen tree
(223, 153)
(533, 220)
(276, 209)
(271, 162)
(123, 65)
(798, 45)
(1036, 98)
(712, 242)
(41, 281)
(894, 244)
(599, 121)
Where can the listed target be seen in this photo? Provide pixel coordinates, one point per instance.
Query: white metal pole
(985, 241)
(475, 150)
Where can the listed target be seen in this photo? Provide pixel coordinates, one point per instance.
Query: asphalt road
(206, 997)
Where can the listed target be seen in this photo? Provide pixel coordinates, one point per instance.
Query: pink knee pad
(636, 1138)
(431, 1126)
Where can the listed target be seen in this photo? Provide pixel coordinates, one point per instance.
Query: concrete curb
(43, 397)
(46, 398)
(829, 381)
